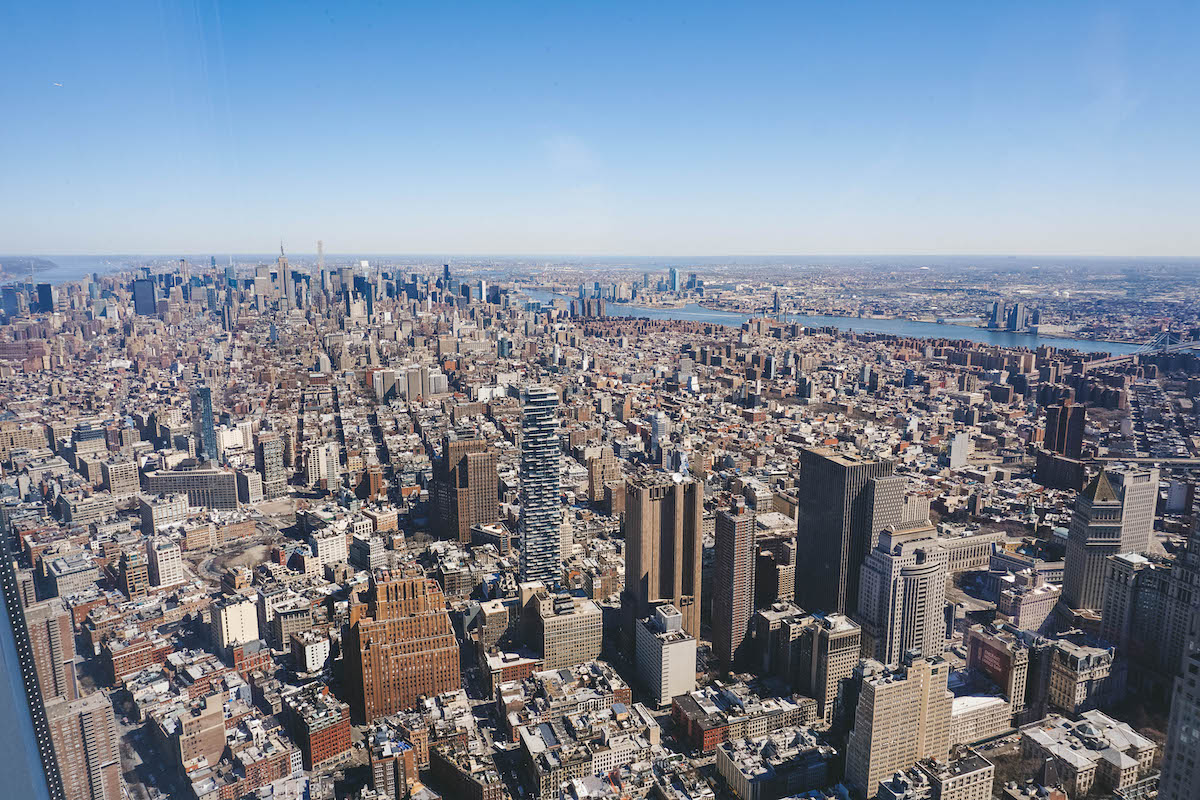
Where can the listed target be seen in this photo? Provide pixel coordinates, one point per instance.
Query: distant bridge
(1165, 342)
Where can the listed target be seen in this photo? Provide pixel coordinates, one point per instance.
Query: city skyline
(672, 130)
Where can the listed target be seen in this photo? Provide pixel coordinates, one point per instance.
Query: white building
(330, 546)
(666, 655)
(165, 563)
(234, 621)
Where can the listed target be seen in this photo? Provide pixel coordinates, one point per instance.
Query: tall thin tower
(540, 556)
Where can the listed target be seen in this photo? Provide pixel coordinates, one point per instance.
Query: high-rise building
(165, 562)
(665, 655)
(202, 423)
(566, 630)
(145, 297)
(52, 638)
(733, 584)
(268, 458)
(465, 486)
(402, 649)
(285, 281)
(1114, 514)
(663, 547)
(673, 277)
(902, 716)
(133, 574)
(834, 522)
(540, 456)
(85, 739)
(1064, 429)
(45, 298)
(902, 595)
(1181, 755)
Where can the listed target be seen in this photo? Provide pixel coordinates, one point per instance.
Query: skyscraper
(45, 298)
(268, 457)
(1114, 514)
(833, 527)
(663, 547)
(285, 281)
(85, 738)
(464, 490)
(202, 423)
(53, 641)
(403, 648)
(902, 716)
(540, 558)
(145, 297)
(1064, 429)
(903, 594)
(733, 584)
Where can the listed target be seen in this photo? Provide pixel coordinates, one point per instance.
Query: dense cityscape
(310, 527)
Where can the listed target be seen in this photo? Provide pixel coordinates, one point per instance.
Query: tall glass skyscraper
(202, 423)
(540, 557)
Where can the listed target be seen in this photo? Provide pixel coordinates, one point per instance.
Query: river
(898, 327)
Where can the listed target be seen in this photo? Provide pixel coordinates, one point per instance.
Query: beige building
(903, 716)
(566, 629)
(1096, 751)
(966, 775)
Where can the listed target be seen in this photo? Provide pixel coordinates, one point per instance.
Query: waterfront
(898, 327)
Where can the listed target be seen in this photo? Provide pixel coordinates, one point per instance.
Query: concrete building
(903, 716)
(733, 584)
(665, 655)
(165, 562)
(162, 512)
(1084, 677)
(1096, 751)
(902, 594)
(268, 459)
(207, 486)
(233, 620)
(1029, 602)
(663, 541)
(85, 736)
(464, 489)
(133, 574)
(1114, 514)
(52, 640)
(782, 763)
(566, 630)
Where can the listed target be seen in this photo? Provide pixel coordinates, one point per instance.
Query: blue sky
(601, 128)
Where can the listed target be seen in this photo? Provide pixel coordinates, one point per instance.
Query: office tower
(566, 630)
(1114, 514)
(202, 423)
(165, 563)
(902, 716)
(733, 584)
(539, 521)
(403, 648)
(52, 638)
(145, 297)
(465, 486)
(133, 574)
(663, 547)
(959, 450)
(673, 276)
(285, 281)
(85, 738)
(268, 457)
(1064, 429)
(833, 527)
(1180, 777)
(665, 655)
(11, 306)
(45, 298)
(903, 595)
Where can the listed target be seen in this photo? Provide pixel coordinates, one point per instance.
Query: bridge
(1165, 342)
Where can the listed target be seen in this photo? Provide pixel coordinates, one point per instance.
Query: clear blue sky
(601, 128)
